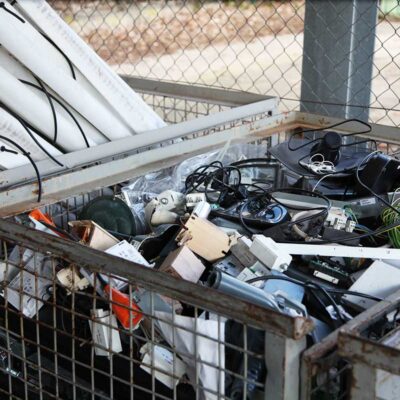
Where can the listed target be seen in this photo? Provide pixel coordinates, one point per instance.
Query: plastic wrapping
(147, 187)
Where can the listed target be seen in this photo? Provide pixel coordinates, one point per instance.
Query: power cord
(369, 128)
(27, 155)
(53, 98)
(28, 128)
(49, 99)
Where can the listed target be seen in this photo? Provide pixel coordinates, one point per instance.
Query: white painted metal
(31, 49)
(120, 96)
(19, 199)
(127, 145)
(374, 253)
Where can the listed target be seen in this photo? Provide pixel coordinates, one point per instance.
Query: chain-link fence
(338, 57)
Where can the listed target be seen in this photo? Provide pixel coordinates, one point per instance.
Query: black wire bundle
(228, 180)
(215, 177)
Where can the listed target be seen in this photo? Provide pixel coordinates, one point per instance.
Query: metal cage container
(214, 341)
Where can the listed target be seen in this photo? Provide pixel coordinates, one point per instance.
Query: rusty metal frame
(94, 260)
(285, 335)
(368, 357)
(345, 343)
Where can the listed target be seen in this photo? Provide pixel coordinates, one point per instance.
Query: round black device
(328, 147)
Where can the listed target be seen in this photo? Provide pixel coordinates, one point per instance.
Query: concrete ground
(272, 65)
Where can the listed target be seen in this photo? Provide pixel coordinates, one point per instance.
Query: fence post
(282, 358)
(339, 37)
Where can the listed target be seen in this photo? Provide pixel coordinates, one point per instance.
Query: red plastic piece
(121, 312)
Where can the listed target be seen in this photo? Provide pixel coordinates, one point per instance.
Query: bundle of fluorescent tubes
(56, 95)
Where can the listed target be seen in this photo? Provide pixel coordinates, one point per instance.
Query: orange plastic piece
(39, 216)
(126, 308)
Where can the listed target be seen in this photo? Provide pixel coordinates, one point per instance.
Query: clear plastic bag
(145, 188)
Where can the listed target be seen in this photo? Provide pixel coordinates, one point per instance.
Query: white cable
(325, 176)
(300, 215)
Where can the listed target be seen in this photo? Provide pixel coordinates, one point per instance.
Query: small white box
(267, 251)
(162, 359)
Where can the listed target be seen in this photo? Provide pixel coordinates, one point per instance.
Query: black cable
(49, 99)
(342, 240)
(198, 176)
(208, 175)
(335, 322)
(329, 297)
(369, 128)
(63, 106)
(300, 283)
(27, 155)
(71, 67)
(27, 128)
(3, 6)
(245, 226)
(5, 150)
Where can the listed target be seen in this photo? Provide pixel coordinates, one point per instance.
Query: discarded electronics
(314, 253)
(306, 228)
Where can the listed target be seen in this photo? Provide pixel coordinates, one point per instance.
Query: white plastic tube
(12, 129)
(125, 101)
(15, 68)
(32, 108)
(32, 50)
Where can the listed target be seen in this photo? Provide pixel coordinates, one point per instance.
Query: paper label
(30, 285)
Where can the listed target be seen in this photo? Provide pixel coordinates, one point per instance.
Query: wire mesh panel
(175, 110)
(64, 336)
(337, 57)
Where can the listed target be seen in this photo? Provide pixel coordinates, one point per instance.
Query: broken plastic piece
(205, 239)
(127, 312)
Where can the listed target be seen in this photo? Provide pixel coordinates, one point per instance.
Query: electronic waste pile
(308, 228)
